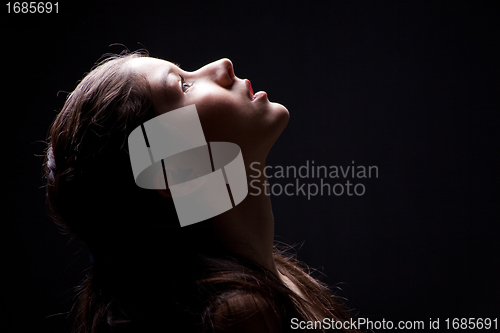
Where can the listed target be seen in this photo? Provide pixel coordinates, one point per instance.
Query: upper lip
(249, 86)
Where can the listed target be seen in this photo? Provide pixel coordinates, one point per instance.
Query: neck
(248, 228)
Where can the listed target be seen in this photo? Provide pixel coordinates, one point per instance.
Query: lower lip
(259, 95)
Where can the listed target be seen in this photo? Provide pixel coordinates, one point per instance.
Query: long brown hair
(91, 194)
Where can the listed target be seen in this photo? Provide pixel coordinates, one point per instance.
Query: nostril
(230, 71)
(228, 65)
(225, 72)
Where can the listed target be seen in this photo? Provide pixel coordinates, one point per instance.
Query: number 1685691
(32, 7)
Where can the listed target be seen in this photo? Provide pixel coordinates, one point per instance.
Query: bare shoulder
(246, 312)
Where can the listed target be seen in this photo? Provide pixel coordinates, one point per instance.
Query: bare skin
(228, 112)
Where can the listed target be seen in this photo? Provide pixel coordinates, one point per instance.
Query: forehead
(152, 68)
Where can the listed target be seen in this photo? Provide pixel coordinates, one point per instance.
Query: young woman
(148, 273)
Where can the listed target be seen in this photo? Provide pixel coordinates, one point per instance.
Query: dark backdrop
(410, 87)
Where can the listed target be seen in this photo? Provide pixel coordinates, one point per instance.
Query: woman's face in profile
(229, 110)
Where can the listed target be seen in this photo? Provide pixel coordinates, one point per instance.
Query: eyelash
(184, 86)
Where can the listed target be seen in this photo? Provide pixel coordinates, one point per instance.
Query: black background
(411, 87)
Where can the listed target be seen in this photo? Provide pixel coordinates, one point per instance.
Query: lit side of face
(227, 107)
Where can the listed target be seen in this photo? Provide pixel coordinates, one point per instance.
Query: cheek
(222, 115)
(218, 102)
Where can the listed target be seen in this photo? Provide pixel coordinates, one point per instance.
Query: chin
(270, 124)
(277, 121)
(281, 113)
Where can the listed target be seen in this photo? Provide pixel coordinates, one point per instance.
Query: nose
(222, 72)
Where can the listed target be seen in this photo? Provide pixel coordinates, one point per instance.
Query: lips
(259, 94)
(250, 90)
(253, 96)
